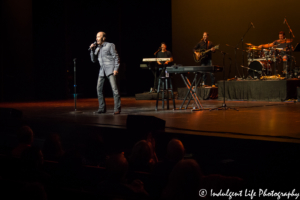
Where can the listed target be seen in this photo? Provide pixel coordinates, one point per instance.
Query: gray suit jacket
(108, 58)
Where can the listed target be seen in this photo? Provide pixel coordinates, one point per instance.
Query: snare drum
(265, 53)
(253, 54)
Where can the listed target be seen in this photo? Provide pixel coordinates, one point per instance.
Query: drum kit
(263, 60)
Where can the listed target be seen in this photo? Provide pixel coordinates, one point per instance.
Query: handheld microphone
(90, 47)
(252, 25)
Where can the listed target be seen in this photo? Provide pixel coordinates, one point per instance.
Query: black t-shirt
(166, 54)
(204, 46)
(286, 47)
(281, 45)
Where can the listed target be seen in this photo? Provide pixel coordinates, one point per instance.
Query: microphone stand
(155, 72)
(75, 93)
(235, 49)
(242, 40)
(290, 46)
(224, 107)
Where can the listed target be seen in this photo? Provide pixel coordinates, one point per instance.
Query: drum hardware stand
(237, 70)
(75, 93)
(269, 69)
(275, 62)
(291, 33)
(253, 70)
(297, 49)
(224, 107)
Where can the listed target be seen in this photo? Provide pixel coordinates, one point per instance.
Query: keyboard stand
(191, 91)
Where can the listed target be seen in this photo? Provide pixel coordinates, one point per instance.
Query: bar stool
(163, 81)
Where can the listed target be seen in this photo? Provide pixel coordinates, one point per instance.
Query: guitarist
(204, 45)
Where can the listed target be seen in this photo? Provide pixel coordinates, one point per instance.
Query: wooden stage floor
(269, 121)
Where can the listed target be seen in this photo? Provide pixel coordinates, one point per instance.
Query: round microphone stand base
(76, 112)
(224, 107)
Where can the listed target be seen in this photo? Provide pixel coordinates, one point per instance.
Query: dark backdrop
(42, 38)
(227, 21)
(16, 69)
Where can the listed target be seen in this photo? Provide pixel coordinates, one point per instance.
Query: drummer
(281, 43)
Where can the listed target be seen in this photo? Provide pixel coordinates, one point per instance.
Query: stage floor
(269, 121)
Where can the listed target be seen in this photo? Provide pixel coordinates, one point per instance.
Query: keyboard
(187, 69)
(155, 59)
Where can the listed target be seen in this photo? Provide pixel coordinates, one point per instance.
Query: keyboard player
(163, 53)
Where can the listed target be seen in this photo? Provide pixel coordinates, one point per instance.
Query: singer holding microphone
(108, 58)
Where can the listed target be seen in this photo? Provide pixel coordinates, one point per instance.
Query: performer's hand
(166, 62)
(115, 72)
(213, 49)
(158, 62)
(92, 45)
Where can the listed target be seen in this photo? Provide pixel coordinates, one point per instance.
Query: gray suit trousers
(116, 94)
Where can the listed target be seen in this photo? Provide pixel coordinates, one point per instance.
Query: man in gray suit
(108, 59)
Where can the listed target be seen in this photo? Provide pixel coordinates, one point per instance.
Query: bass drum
(258, 68)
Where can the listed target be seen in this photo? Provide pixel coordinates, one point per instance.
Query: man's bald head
(100, 37)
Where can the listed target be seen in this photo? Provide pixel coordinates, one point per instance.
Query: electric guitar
(201, 54)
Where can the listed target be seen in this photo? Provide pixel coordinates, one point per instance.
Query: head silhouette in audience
(32, 158)
(25, 140)
(161, 172)
(175, 151)
(117, 167)
(185, 181)
(52, 148)
(116, 184)
(31, 166)
(142, 156)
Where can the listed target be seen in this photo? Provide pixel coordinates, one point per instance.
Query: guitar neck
(207, 51)
(204, 52)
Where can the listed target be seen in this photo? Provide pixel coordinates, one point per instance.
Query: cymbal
(265, 46)
(249, 44)
(253, 48)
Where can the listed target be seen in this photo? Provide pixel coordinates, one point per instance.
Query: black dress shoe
(100, 111)
(117, 112)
